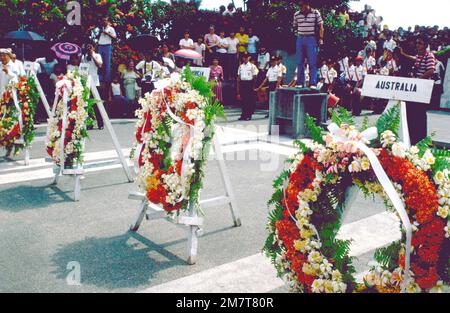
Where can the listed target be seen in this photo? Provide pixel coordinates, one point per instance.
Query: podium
(289, 106)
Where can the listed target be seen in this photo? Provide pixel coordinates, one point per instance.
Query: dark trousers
(147, 87)
(417, 116)
(417, 121)
(232, 66)
(248, 98)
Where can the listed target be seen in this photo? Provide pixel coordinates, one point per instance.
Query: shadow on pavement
(21, 198)
(125, 261)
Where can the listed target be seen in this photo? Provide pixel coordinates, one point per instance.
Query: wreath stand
(21, 141)
(191, 221)
(79, 170)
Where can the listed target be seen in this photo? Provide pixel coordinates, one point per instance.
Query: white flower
(317, 286)
(315, 257)
(326, 267)
(354, 167)
(387, 138)
(428, 157)
(439, 178)
(365, 164)
(447, 230)
(443, 211)
(399, 150)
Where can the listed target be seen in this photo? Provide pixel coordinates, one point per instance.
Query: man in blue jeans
(308, 26)
(105, 48)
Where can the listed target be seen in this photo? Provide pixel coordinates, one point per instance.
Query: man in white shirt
(93, 61)
(6, 69)
(390, 43)
(186, 42)
(150, 72)
(107, 35)
(246, 80)
(19, 66)
(232, 55)
(273, 76)
(263, 59)
(358, 72)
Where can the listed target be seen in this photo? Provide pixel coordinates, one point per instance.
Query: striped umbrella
(64, 50)
(188, 54)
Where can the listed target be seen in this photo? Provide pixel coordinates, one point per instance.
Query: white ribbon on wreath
(19, 110)
(368, 135)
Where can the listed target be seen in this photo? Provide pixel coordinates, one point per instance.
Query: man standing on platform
(107, 35)
(424, 67)
(246, 81)
(308, 26)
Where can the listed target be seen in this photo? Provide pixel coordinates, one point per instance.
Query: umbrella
(64, 50)
(143, 42)
(188, 54)
(23, 37)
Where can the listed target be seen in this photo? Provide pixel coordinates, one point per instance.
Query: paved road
(43, 230)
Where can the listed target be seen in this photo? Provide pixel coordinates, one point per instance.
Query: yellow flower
(365, 164)
(308, 269)
(439, 177)
(306, 233)
(300, 245)
(152, 183)
(443, 211)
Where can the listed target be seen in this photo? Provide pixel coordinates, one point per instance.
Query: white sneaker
(299, 86)
(313, 87)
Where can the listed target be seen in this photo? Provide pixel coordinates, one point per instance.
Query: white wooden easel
(29, 72)
(192, 221)
(79, 170)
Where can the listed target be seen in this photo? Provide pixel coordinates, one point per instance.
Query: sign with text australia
(398, 88)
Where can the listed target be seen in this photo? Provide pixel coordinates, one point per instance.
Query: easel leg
(142, 212)
(111, 131)
(57, 172)
(27, 157)
(192, 244)
(77, 188)
(227, 183)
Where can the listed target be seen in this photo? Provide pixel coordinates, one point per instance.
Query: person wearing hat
(246, 80)
(7, 73)
(306, 23)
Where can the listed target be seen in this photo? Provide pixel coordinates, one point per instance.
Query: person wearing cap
(7, 73)
(246, 80)
(306, 23)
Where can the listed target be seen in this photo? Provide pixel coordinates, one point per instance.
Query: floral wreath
(10, 128)
(309, 200)
(79, 107)
(173, 134)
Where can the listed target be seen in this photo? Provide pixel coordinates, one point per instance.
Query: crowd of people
(244, 70)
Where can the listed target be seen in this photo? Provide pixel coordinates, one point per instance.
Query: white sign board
(201, 71)
(398, 88)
